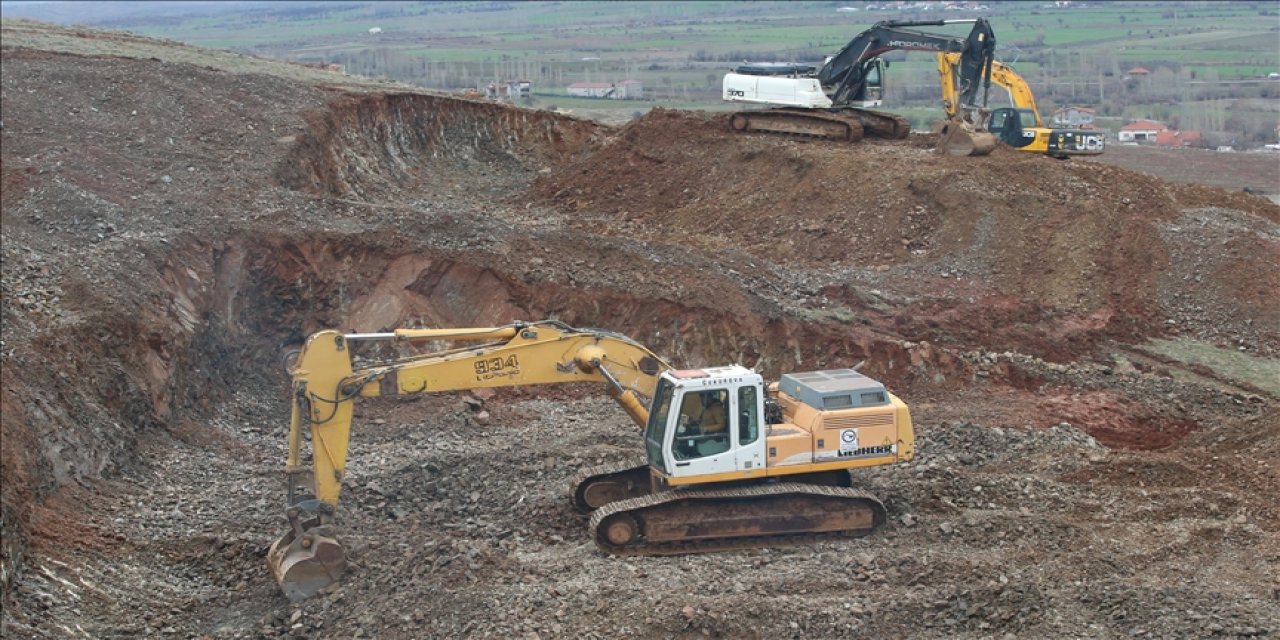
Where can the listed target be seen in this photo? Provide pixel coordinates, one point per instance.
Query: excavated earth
(175, 220)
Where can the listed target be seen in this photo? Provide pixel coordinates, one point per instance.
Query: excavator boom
(326, 383)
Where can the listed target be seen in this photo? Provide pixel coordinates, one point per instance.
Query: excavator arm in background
(826, 103)
(326, 384)
(846, 72)
(1019, 126)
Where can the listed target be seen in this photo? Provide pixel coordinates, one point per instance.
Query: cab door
(873, 84)
(702, 439)
(749, 437)
(1006, 124)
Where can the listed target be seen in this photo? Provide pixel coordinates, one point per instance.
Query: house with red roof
(1141, 131)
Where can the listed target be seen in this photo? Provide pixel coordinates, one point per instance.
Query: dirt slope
(171, 227)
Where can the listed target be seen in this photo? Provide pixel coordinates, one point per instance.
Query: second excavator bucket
(307, 563)
(959, 138)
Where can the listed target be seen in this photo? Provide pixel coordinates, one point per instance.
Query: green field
(679, 50)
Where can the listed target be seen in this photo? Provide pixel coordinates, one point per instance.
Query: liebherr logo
(911, 44)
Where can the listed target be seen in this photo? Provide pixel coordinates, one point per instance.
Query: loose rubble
(172, 229)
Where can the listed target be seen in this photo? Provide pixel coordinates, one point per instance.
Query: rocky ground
(175, 220)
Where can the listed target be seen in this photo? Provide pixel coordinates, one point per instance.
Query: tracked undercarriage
(695, 520)
(704, 520)
(845, 125)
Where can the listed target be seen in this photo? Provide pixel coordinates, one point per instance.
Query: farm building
(1179, 139)
(1074, 117)
(625, 90)
(509, 90)
(1141, 131)
(1138, 72)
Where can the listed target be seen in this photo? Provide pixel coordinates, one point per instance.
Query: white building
(625, 90)
(1074, 117)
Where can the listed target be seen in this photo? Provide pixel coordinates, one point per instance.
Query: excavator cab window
(703, 428)
(1012, 126)
(656, 431)
(874, 81)
(748, 416)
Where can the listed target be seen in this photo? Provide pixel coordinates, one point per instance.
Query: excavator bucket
(962, 139)
(303, 565)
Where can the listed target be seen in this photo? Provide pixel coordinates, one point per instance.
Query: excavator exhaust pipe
(961, 139)
(306, 559)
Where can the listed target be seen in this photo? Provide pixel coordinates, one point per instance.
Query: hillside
(1089, 353)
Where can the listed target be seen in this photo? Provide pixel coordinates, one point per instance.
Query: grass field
(679, 50)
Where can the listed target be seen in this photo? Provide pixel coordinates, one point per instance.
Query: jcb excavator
(827, 102)
(732, 463)
(1018, 126)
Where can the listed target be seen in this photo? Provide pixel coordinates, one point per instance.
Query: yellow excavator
(731, 463)
(1018, 126)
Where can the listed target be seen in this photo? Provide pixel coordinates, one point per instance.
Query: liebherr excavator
(1018, 126)
(731, 463)
(827, 102)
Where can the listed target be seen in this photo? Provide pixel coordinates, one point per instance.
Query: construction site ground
(1091, 354)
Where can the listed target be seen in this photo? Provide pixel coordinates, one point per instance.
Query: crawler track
(698, 521)
(844, 125)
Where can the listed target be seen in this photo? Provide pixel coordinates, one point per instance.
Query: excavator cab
(707, 422)
(872, 92)
(1014, 127)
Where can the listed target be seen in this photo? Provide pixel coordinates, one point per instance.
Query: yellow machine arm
(1002, 75)
(326, 383)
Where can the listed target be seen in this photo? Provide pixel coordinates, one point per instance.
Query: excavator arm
(846, 72)
(1019, 91)
(1002, 75)
(326, 383)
